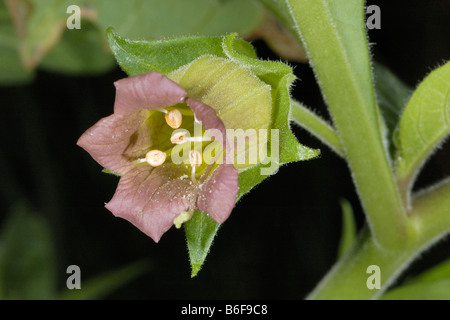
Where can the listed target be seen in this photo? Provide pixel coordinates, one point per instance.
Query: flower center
(177, 137)
(188, 145)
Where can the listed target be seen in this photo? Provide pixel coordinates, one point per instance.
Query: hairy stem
(334, 36)
(348, 278)
(428, 222)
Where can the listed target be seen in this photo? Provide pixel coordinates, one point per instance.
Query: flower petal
(219, 192)
(151, 198)
(150, 90)
(117, 140)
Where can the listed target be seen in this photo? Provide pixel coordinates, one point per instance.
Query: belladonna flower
(153, 120)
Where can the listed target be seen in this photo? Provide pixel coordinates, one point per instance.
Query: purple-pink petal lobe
(150, 90)
(152, 199)
(113, 141)
(219, 192)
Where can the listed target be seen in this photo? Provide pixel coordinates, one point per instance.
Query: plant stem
(334, 36)
(333, 33)
(428, 222)
(348, 278)
(430, 213)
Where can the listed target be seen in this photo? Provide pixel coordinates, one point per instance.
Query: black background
(280, 239)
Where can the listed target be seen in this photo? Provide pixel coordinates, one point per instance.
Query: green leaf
(11, 70)
(279, 33)
(200, 232)
(424, 123)
(27, 258)
(105, 284)
(439, 272)
(432, 290)
(156, 19)
(79, 52)
(40, 24)
(280, 10)
(348, 234)
(392, 95)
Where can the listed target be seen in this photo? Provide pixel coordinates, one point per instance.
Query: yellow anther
(174, 118)
(195, 158)
(155, 158)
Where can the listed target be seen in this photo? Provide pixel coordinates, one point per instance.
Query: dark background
(280, 239)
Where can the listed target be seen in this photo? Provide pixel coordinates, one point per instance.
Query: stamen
(193, 178)
(199, 139)
(155, 158)
(195, 158)
(138, 162)
(174, 118)
(180, 137)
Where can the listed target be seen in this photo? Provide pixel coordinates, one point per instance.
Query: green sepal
(200, 231)
(165, 56)
(280, 77)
